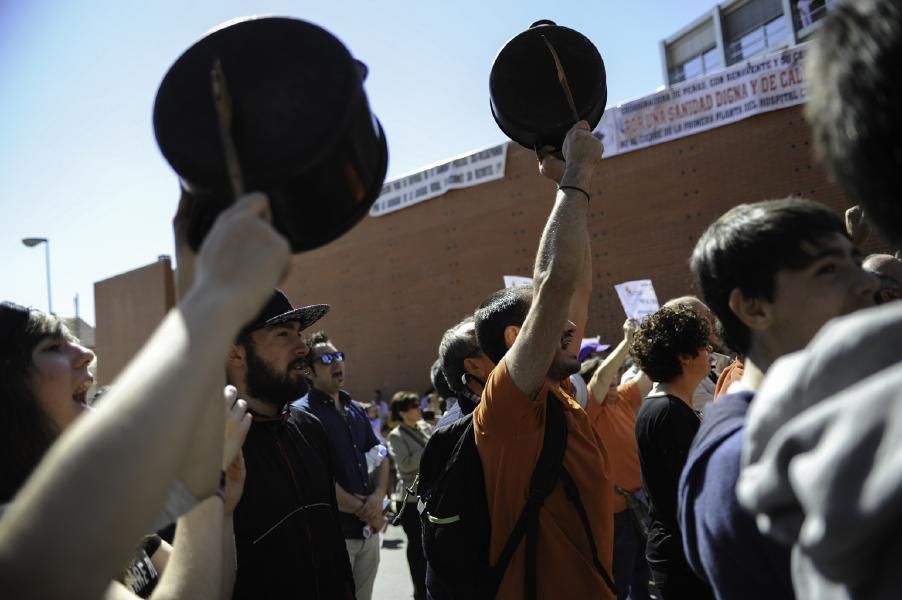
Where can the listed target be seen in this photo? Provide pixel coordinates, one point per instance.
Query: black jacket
(287, 535)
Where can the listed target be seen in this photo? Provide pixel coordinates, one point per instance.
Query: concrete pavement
(393, 577)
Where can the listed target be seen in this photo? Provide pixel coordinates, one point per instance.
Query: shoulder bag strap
(418, 440)
(544, 476)
(573, 494)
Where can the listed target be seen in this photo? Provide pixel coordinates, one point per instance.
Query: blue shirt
(721, 541)
(465, 404)
(350, 436)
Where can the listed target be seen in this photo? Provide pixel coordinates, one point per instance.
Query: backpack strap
(573, 494)
(544, 476)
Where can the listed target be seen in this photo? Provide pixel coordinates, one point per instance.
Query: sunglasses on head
(329, 357)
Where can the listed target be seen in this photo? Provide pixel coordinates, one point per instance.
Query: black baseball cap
(279, 310)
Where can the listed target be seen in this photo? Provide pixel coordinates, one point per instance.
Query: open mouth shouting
(79, 395)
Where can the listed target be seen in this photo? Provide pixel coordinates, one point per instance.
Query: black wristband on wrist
(578, 189)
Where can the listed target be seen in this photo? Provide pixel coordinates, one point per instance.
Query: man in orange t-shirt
(526, 332)
(612, 411)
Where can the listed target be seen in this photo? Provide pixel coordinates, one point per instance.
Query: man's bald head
(691, 301)
(888, 270)
(702, 310)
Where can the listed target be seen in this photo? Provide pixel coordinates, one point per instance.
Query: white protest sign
(516, 281)
(638, 298)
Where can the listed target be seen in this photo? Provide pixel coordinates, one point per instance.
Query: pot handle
(541, 22)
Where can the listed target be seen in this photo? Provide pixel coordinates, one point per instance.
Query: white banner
(517, 281)
(745, 89)
(638, 298)
(463, 171)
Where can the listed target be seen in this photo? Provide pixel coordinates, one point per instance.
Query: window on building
(693, 54)
(712, 60)
(693, 67)
(806, 13)
(752, 28)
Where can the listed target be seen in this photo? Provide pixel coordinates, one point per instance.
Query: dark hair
(26, 430)
(855, 105)
(458, 344)
(496, 313)
(666, 335)
(244, 339)
(745, 249)
(314, 339)
(317, 338)
(402, 401)
(439, 382)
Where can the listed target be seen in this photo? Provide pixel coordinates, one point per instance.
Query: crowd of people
(741, 443)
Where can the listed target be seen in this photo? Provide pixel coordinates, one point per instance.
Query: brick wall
(397, 282)
(128, 308)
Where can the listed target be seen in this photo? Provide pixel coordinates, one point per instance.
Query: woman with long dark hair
(77, 518)
(44, 370)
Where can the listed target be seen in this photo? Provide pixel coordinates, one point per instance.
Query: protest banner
(463, 171)
(749, 88)
(752, 87)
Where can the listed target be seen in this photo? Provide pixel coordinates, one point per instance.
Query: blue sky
(78, 161)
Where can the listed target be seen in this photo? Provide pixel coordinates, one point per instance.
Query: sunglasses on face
(329, 357)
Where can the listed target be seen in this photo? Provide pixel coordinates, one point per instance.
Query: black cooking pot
(528, 101)
(301, 126)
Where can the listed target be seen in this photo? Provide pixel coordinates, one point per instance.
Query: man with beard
(525, 331)
(360, 500)
(287, 534)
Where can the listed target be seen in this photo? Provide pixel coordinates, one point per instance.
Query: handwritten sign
(638, 298)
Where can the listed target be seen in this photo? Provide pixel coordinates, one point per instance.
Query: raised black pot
(302, 128)
(527, 99)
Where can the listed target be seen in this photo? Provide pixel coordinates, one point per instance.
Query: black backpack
(455, 515)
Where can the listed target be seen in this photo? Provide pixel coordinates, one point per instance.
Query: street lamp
(31, 243)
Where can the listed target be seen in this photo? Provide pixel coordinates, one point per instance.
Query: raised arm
(207, 441)
(607, 371)
(552, 166)
(559, 265)
(100, 485)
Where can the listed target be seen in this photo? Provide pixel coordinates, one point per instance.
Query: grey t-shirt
(822, 461)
